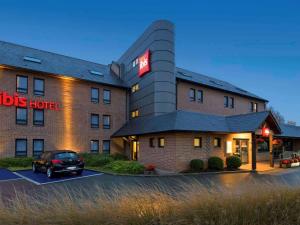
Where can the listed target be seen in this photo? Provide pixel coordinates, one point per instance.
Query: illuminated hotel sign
(17, 101)
(144, 63)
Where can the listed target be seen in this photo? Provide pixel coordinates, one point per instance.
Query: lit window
(39, 86)
(106, 147)
(37, 147)
(161, 142)
(217, 142)
(192, 95)
(134, 113)
(226, 101)
(106, 122)
(38, 117)
(22, 84)
(21, 116)
(200, 96)
(151, 142)
(94, 120)
(95, 95)
(94, 146)
(135, 88)
(198, 142)
(21, 147)
(106, 96)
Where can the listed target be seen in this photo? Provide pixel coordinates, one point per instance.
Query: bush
(95, 160)
(16, 162)
(129, 167)
(233, 162)
(215, 163)
(119, 156)
(197, 165)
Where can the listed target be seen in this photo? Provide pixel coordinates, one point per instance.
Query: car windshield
(66, 155)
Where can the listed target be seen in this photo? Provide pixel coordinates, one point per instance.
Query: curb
(179, 174)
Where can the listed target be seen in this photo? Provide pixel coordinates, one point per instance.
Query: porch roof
(289, 131)
(197, 122)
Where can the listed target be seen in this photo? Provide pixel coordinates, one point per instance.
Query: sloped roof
(55, 64)
(213, 83)
(289, 131)
(196, 122)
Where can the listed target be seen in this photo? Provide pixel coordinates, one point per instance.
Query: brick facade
(68, 128)
(213, 101)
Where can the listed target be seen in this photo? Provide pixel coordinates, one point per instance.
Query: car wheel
(34, 169)
(49, 172)
(79, 172)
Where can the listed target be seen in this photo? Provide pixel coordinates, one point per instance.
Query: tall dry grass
(265, 205)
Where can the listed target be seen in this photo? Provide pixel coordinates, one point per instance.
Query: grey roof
(194, 122)
(213, 83)
(56, 64)
(289, 131)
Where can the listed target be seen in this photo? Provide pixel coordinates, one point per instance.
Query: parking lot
(41, 178)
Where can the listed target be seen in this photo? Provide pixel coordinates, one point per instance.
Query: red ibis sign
(23, 102)
(144, 63)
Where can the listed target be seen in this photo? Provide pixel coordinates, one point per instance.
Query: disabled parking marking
(41, 178)
(7, 175)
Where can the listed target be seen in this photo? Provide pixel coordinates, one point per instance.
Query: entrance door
(241, 150)
(135, 147)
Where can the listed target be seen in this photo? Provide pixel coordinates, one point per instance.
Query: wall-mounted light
(265, 132)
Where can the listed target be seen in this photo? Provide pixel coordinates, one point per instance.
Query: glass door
(241, 150)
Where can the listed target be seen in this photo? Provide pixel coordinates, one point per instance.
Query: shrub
(215, 163)
(129, 167)
(119, 156)
(16, 162)
(197, 165)
(233, 162)
(95, 160)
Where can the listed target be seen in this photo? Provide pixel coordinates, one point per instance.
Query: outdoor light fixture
(265, 132)
(229, 147)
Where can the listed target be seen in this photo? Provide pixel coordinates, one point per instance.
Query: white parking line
(56, 181)
(13, 179)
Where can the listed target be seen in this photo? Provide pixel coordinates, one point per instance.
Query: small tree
(279, 117)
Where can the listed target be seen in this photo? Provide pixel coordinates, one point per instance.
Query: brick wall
(68, 128)
(213, 101)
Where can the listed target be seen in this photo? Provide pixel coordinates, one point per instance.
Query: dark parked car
(58, 162)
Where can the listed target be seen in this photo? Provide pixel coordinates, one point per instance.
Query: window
(94, 120)
(38, 87)
(21, 116)
(217, 142)
(135, 62)
(226, 101)
(106, 147)
(106, 122)
(198, 142)
(106, 96)
(231, 102)
(192, 95)
(94, 146)
(38, 117)
(254, 107)
(151, 142)
(95, 95)
(135, 88)
(161, 142)
(22, 84)
(21, 147)
(38, 147)
(134, 113)
(200, 96)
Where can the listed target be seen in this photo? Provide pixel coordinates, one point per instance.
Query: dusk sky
(252, 44)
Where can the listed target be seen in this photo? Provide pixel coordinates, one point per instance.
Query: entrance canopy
(184, 121)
